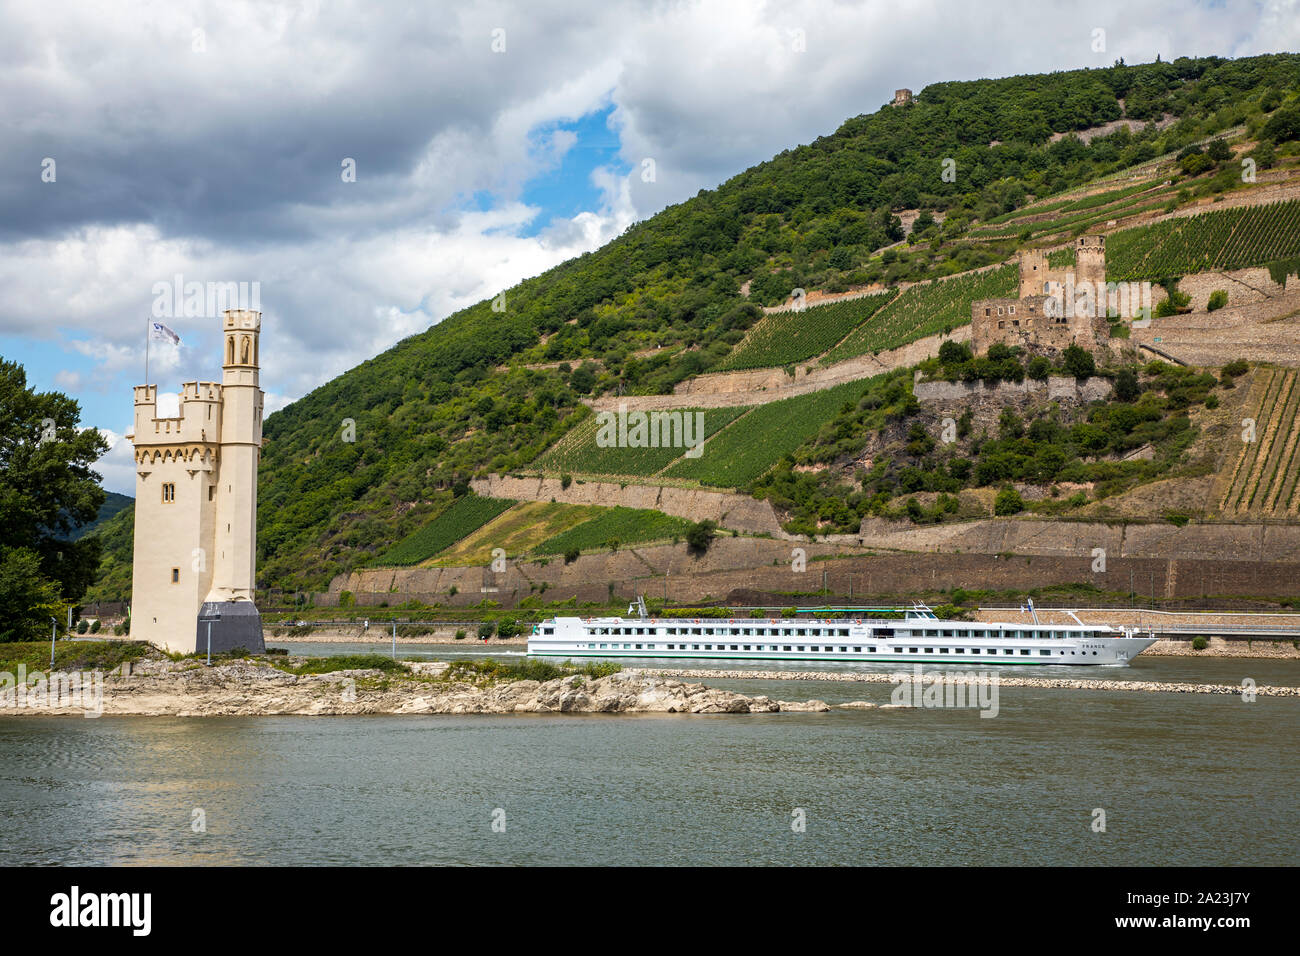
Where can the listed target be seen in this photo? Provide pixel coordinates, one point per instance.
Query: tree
(1219, 151)
(700, 535)
(583, 378)
(1282, 125)
(47, 491)
(28, 599)
(1218, 299)
(1264, 155)
(1008, 502)
(1127, 388)
(954, 353)
(1079, 361)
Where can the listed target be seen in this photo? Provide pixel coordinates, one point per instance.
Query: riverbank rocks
(249, 688)
(1050, 683)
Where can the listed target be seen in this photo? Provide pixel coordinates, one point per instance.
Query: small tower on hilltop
(903, 97)
(196, 505)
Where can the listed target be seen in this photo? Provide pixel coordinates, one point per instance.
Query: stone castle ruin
(1058, 307)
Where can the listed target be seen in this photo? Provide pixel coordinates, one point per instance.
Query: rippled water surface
(1185, 779)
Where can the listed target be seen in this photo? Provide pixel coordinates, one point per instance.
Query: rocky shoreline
(248, 688)
(1163, 687)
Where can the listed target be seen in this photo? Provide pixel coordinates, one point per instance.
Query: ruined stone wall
(742, 569)
(1055, 388)
(729, 510)
(762, 385)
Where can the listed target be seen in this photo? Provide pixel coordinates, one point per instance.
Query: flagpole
(147, 329)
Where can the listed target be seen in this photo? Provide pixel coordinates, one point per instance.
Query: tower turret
(234, 560)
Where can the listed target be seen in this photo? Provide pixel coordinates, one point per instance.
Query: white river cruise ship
(918, 636)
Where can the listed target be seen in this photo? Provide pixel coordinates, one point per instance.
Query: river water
(1182, 779)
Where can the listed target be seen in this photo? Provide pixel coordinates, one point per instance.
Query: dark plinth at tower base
(235, 624)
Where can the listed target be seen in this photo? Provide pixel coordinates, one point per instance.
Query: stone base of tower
(234, 624)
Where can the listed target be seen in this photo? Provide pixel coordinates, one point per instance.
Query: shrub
(571, 555)
(487, 629)
(1127, 388)
(1264, 155)
(700, 535)
(1078, 361)
(1218, 299)
(1236, 367)
(345, 662)
(460, 634)
(82, 626)
(94, 628)
(789, 611)
(1211, 401)
(1039, 368)
(509, 627)
(489, 671)
(347, 599)
(1008, 502)
(954, 353)
(1200, 644)
(565, 481)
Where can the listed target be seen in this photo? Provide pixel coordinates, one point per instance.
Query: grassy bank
(70, 655)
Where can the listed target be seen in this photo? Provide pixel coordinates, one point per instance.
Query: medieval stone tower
(196, 504)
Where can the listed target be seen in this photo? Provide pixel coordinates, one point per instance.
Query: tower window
(168, 492)
(211, 491)
(176, 575)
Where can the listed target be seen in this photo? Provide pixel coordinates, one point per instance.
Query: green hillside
(662, 303)
(113, 503)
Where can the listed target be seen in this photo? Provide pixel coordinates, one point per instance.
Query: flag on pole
(161, 333)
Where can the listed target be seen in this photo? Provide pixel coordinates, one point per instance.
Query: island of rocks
(245, 688)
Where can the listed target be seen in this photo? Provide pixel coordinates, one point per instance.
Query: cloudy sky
(214, 142)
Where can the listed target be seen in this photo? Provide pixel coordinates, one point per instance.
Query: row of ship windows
(830, 649)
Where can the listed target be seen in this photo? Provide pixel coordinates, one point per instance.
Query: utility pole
(209, 621)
